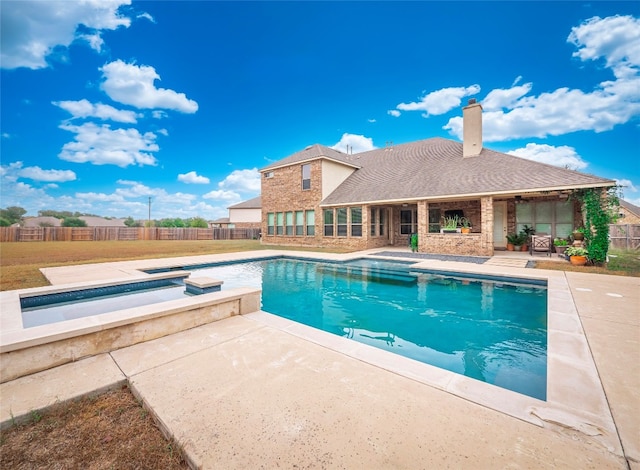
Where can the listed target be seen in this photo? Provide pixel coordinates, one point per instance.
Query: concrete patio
(258, 391)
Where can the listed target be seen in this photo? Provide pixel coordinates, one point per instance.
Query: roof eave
(510, 192)
(298, 162)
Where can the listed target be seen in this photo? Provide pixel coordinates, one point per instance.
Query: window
(289, 220)
(311, 223)
(434, 220)
(554, 218)
(381, 214)
(268, 174)
(356, 221)
(407, 222)
(279, 223)
(306, 176)
(270, 223)
(341, 218)
(328, 223)
(299, 223)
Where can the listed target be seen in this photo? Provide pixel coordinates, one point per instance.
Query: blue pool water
(494, 331)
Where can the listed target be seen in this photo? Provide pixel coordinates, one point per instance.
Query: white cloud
(356, 143)
(84, 109)
(627, 185)
(440, 101)
(31, 30)
(6, 135)
(38, 174)
(222, 195)
(562, 156)
(371, 120)
(102, 145)
(247, 181)
(505, 98)
(146, 16)
(134, 85)
(193, 178)
(616, 39)
(512, 114)
(393, 112)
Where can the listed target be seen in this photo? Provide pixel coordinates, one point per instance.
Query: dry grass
(109, 431)
(20, 262)
(621, 263)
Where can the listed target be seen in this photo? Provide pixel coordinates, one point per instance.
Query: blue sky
(106, 103)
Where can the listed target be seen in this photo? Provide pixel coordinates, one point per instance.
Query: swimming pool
(489, 330)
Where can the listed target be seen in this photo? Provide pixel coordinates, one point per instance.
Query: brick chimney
(472, 129)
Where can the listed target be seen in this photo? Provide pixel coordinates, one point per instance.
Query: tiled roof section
(222, 220)
(313, 152)
(435, 168)
(255, 203)
(635, 210)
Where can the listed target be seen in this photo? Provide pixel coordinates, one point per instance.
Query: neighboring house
(220, 223)
(42, 221)
(628, 213)
(90, 220)
(247, 214)
(323, 197)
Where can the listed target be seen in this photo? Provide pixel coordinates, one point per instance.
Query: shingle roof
(313, 152)
(435, 168)
(635, 210)
(255, 203)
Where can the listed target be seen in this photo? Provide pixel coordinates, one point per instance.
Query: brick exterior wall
(283, 193)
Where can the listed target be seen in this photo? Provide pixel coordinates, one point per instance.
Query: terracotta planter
(465, 230)
(578, 260)
(510, 247)
(525, 247)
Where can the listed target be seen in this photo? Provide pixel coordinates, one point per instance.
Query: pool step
(507, 262)
(370, 274)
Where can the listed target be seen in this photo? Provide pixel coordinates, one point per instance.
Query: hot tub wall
(121, 329)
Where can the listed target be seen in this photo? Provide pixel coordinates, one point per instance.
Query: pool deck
(259, 391)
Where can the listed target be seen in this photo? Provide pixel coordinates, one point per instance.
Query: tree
(12, 214)
(73, 222)
(129, 222)
(198, 222)
(4, 222)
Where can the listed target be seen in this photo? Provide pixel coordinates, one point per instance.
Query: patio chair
(540, 244)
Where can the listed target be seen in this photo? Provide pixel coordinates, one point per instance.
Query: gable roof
(435, 168)
(313, 152)
(635, 210)
(255, 203)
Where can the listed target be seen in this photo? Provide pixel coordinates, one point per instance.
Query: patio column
(366, 231)
(423, 224)
(486, 225)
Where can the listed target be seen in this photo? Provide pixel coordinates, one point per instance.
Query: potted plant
(450, 224)
(560, 245)
(578, 234)
(466, 225)
(520, 242)
(577, 255)
(527, 232)
(512, 238)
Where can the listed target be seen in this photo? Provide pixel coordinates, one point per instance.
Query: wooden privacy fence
(70, 234)
(625, 236)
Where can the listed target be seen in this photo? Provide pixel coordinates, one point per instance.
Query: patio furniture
(540, 244)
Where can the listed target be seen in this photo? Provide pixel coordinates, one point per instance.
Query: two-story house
(322, 197)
